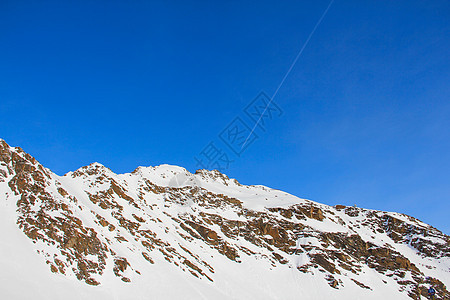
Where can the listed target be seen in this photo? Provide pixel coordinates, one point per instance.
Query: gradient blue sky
(130, 83)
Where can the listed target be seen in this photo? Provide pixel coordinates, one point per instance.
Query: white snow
(25, 275)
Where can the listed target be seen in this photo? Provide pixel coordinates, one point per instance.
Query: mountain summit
(165, 233)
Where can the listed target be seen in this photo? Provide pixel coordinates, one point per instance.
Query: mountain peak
(206, 234)
(94, 168)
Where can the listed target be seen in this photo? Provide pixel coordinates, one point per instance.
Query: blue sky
(127, 83)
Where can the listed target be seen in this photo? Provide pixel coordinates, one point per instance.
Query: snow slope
(164, 233)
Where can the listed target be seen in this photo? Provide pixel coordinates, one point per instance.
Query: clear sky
(127, 83)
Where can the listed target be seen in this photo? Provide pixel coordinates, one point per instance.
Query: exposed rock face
(91, 221)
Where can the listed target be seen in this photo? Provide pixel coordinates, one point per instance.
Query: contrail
(289, 70)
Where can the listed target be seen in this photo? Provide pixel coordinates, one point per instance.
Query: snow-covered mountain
(164, 233)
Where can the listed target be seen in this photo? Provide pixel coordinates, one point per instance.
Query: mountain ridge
(224, 239)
